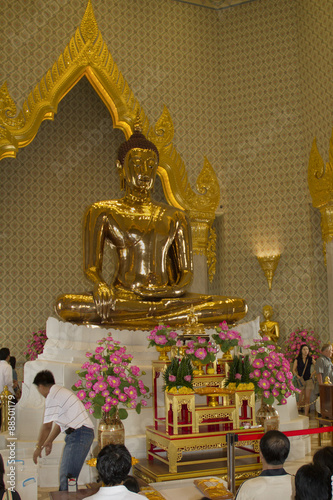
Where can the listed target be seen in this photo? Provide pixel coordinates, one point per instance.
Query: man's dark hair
(45, 377)
(274, 446)
(313, 481)
(4, 353)
(132, 484)
(114, 462)
(2, 472)
(324, 458)
(324, 347)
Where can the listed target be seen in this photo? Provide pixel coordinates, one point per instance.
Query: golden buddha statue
(154, 249)
(269, 328)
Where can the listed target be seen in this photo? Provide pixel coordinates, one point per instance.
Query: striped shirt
(64, 408)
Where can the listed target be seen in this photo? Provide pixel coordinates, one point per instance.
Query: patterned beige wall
(234, 83)
(264, 161)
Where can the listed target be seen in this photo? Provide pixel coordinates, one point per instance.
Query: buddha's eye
(136, 161)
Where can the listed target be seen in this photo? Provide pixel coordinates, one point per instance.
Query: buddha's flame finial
(137, 124)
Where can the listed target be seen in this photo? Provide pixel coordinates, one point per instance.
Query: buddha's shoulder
(171, 210)
(119, 206)
(105, 205)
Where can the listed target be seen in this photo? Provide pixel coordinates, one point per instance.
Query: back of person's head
(45, 377)
(12, 362)
(132, 484)
(275, 447)
(313, 482)
(4, 353)
(114, 462)
(324, 347)
(324, 458)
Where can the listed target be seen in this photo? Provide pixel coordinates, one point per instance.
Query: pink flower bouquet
(293, 343)
(108, 380)
(270, 372)
(201, 350)
(225, 338)
(35, 345)
(162, 336)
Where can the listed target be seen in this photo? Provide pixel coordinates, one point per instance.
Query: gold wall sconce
(269, 265)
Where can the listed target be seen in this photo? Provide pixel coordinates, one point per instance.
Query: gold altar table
(203, 413)
(169, 449)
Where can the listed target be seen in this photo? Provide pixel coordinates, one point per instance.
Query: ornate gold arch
(320, 180)
(87, 55)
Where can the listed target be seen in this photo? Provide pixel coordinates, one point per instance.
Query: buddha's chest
(146, 229)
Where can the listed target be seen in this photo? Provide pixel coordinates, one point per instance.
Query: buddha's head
(267, 312)
(138, 161)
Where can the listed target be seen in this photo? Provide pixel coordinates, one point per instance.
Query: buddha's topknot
(137, 140)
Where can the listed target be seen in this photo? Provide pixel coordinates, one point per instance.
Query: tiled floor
(290, 466)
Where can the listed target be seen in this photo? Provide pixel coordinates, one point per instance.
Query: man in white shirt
(113, 465)
(274, 483)
(6, 372)
(64, 412)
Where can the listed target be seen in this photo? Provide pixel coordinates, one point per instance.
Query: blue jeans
(75, 452)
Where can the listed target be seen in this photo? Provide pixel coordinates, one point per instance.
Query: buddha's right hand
(104, 299)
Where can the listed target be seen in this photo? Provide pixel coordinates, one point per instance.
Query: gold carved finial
(320, 181)
(269, 265)
(89, 26)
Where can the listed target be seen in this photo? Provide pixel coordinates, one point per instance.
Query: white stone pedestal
(290, 420)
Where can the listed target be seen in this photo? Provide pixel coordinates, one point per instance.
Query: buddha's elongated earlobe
(121, 175)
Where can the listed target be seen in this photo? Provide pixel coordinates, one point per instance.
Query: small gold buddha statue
(192, 326)
(154, 265)
(269, 328)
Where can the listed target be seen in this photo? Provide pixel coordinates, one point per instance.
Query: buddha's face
(140, 167)
(267, 312)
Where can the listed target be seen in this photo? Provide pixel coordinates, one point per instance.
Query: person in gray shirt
(324, 366)
(323, 369)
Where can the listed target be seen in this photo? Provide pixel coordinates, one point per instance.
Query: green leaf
(99, 400)
(82, 374)
(269, 400)
(74, 388)
(138, 408)
(113, 411)
(122, 413)
(97, 412)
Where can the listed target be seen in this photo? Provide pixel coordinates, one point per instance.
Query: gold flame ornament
(269, 265)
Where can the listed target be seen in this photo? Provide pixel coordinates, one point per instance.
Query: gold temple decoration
(192, 326)
(320, 181)
(87, 55)
(269, 265)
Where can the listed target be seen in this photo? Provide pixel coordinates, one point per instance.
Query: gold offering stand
(190, 438)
